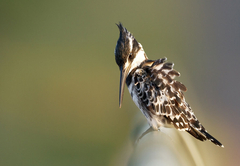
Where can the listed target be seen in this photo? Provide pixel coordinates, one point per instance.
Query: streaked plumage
(154, 90)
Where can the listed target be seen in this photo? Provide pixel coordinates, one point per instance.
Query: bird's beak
(123, 76)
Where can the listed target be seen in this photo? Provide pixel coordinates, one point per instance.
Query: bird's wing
(163, 95)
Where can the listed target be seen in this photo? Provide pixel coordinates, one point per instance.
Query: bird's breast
(153, 119)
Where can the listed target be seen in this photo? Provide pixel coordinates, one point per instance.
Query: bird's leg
(150, 129)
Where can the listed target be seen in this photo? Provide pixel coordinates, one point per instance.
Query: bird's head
(128, 55)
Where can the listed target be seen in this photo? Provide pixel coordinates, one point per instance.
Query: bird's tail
(203, 135)
(211, 138)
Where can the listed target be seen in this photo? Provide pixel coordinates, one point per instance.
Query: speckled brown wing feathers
(163, 96)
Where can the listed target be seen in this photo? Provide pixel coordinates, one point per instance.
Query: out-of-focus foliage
(59, 81)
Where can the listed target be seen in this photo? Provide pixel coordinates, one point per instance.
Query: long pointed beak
(123, 77)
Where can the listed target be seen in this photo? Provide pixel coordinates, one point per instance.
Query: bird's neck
(140, 57)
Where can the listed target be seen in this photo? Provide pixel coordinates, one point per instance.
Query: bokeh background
(59, 82)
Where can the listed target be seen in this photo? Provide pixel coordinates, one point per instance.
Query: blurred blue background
(59, 81)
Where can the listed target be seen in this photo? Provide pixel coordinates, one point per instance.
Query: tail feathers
(197, 134)
(203, 135)
(212, 139)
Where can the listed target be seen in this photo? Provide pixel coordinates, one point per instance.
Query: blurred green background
(59, 82)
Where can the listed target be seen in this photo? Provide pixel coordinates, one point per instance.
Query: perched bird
(154, 90)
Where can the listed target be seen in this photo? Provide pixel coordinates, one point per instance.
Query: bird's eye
(130, 55)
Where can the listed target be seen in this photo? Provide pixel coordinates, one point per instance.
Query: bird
(153, 88)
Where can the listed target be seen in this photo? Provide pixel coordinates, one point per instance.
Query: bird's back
(160, 98)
